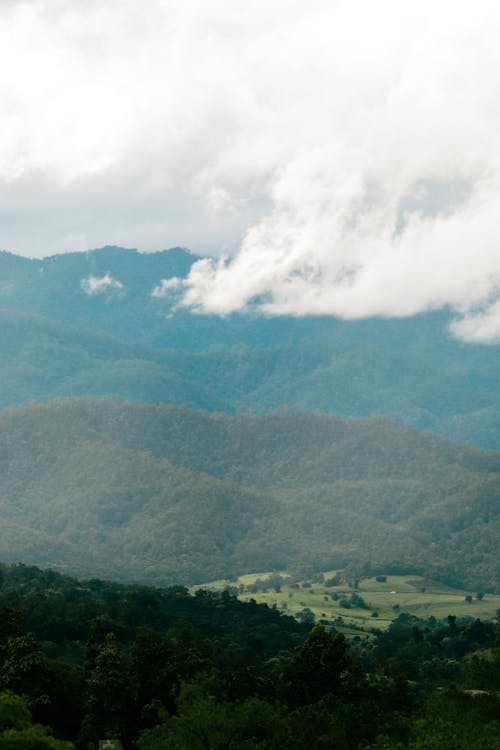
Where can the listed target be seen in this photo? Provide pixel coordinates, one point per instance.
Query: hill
(113, 291)
(407, 369)
(354, 605)
(43, 359)
(163, 494)
(163, 668)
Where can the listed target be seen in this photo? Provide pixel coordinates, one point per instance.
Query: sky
(331, 157)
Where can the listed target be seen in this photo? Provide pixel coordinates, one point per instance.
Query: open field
(328, 597)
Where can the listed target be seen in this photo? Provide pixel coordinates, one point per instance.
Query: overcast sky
(334, 157)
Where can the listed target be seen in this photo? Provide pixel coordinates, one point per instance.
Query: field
(363, 604)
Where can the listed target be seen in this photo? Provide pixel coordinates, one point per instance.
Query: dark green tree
(109, 694)
(319, 666)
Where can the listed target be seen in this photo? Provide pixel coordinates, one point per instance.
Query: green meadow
(362, 604)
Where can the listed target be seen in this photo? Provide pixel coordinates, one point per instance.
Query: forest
(160, 494)
(130, 342)
(83, 661)
(166, 476)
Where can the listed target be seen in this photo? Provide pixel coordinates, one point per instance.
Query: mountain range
(92, 323)
(146, 442)
(164, 494)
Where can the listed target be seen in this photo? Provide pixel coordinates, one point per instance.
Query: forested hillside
(160, 669)
(41, 359)
(164, 494)
(411, 370)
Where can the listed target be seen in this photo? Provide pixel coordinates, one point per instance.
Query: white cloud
(94, 285)
(345, 156)
(166, 287)
(483, 326)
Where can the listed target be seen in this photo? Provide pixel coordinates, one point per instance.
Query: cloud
(94, 285)
(389, 204)
(335, 158)
(483, 326)
(166, 287)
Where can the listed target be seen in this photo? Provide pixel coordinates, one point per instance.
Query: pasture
(365, 603)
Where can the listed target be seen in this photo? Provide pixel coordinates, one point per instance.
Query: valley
(360, 605)
(249, 375)
(143, 441)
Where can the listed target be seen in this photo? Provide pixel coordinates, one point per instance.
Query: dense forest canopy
(61, 337)
(168, 495)
(82, 661)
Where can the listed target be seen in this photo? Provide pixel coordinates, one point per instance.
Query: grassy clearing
(357, 602)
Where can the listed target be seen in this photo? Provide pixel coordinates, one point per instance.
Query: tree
(319, 666)
(305, 616)
(109, 694)
(155, 672)
(21, 667)
(14, 712)
(18, 733)
(11, 624)
(203, 723)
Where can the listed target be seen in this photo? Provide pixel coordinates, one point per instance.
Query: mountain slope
(41, 359)
(452, 389)
(166, 494)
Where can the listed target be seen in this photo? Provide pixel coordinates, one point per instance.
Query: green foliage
(485, 668)
(21, 664)
(203, 722)
(163, 494)
(14, 713)
(32, 738)
(415, 596)
(319, 666)
(168, 669)
(454, 720)
(136, 647)
(239, 363)
(18, 733)
(109, 692)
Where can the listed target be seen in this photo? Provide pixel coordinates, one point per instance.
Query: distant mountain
(163, 494)
(112, 290)
(409, 369)
(41, 359)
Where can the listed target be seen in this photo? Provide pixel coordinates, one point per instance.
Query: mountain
(164, 494)
(42, 359)
(409, 369)
(112, 290)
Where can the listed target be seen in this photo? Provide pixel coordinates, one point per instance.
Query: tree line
(82, 661)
